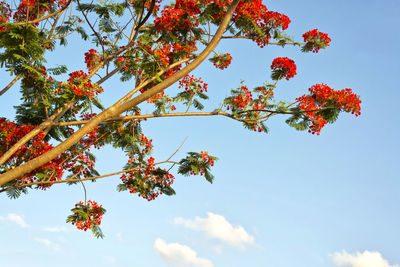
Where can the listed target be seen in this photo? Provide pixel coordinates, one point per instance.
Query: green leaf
(97, 231)
(16, 192)
(168, 191)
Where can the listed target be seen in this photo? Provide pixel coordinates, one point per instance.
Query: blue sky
(283, 199)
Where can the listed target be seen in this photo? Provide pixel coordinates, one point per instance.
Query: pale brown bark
(10, 84)
(43, 126)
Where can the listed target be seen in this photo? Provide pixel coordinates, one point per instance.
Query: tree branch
(10, 84)
(42, 18)
(81, 180)
(33, 133)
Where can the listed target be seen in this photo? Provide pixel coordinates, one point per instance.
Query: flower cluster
(10, 134)
(146, 144)
(78, 85)
(147, 180)
(5, 14)
(251, 10)
(141, 176)
(222, 61)
(275, 20)
(209, 160)
(315, 40)
(283, 67)
(322, 97)
(192, 84)
(264, 95)
(246, 107)
(144, 147)
(242, 99)
(161, 98)
(255, 12)
(92, 58)
(161, 56)
(181, 17)
(32, 9)
(86, 216)
(197, 164)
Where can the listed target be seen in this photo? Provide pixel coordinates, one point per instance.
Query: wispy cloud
(217, 226)
(119, 236)
(358, 259)
(14, 218)
(179, 255)
(55, 229)
(48, 243)
(110, 259)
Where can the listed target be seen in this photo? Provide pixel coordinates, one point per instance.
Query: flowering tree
(156, 44)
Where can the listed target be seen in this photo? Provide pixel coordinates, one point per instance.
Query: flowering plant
(150, 45)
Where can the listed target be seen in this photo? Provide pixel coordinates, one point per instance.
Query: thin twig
(178, 148)
(84, 188)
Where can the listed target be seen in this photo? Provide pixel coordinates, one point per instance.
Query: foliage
(155, 43)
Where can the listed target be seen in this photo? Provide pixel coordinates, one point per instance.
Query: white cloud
(217, 226)
(12, 217)
(179, 255)
(48, 243)
(55, 229)
(365, 259)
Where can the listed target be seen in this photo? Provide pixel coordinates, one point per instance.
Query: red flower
(189, 83)
(5, 14)
(222, 61)
(283, 67)
(316, 40)
(95, 214)
(92, 59)
(321, 97)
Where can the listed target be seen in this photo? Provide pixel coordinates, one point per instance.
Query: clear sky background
(283, 199)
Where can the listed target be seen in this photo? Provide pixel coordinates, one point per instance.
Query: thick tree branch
(34, 132)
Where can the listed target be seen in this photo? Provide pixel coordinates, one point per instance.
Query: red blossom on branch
(92, 59)
(5, 14)
(190, 83)
(283, 67)
(321, 97)
(78, 85)
(315, 40)
(221, 61)
(87, 216)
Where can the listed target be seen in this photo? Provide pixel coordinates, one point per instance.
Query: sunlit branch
(91, 27)
(273, 43)
(71, 180)
(42, 18)
(8, 86)
(34, 132)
